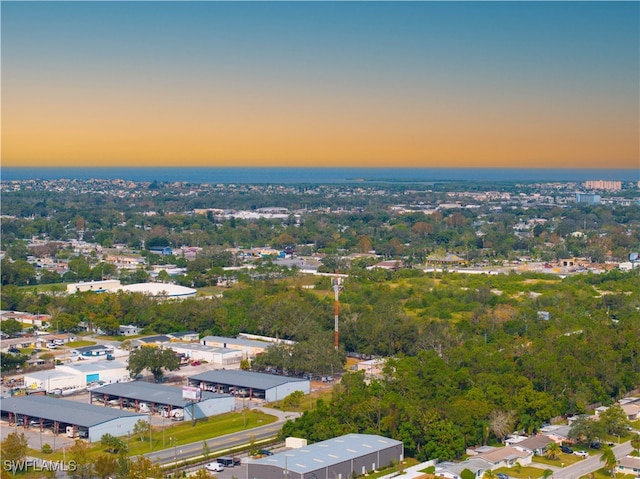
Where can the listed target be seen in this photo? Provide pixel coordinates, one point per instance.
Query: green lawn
(185, 433)
(523, 472)
(79, 344)
(563, 460)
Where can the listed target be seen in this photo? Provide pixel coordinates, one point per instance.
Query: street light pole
(175, 455)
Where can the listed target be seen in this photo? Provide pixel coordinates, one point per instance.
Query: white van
(144, 407)
(77, 432)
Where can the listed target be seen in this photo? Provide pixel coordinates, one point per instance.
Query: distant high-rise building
(608, 185)
(587, 199)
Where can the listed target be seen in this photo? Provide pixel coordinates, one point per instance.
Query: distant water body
(320, 175)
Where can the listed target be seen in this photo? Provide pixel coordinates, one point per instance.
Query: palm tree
(489, 474)
(635, 444)
(552, 451)
(609, 458)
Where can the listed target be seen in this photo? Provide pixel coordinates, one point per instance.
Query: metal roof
(248, 379)
(249, 343)
(93, 366)
(46, 374)
(204, 348)
(151, 392)
(97, 347)
(328, 453)
(63, 410)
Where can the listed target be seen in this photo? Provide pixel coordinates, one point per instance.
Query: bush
(46, 449)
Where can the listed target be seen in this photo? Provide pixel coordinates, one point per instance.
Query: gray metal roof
(94, 366)
(250, 343)
(151, 392)
(202, 347)
(97, 347)
(248, 379)
(328, 453)
(474, 464)
(63, 410)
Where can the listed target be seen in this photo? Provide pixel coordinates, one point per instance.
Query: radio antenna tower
(337, 283)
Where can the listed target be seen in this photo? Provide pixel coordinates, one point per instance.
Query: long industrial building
(156, 398)
(71, 418)
(341, 457)
(269, 387)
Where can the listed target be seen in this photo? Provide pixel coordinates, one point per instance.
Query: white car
(214, 467)
(581, 453)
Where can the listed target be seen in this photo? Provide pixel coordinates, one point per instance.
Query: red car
(196, 363)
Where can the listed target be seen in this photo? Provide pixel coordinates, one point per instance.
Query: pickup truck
(110, 357)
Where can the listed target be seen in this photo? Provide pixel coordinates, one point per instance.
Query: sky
(338, 84)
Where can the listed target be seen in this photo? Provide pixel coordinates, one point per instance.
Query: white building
(210, 354)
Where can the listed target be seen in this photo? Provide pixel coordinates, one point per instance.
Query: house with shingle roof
(535, 444)
(506, 456)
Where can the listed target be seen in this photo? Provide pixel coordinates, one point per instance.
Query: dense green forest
(466, 352)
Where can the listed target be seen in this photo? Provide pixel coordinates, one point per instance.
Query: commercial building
(71, 418)
(69, 378)
(210, 354)
(609, 185)
(158, 290)
(269, 387)
(587, 199)
(161, 399)
(342, 457)
(250, 348)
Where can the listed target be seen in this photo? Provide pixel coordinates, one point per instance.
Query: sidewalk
(412, 472)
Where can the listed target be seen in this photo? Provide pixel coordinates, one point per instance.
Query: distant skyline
(311, 84)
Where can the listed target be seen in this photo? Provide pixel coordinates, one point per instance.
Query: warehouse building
(269, 387)
(341, 457)
(76, 377)
(160, 399)
(250, 348)
(210, 354)
(71, 418)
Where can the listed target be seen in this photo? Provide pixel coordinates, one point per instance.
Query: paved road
(181, 452)
(591, 464)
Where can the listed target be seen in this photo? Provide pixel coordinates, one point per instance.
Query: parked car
(595, 445)
(581, 453)
(214, 467)
(566, 449)
(196, 363)
(501, 475)
(36, 423)
(265, 452)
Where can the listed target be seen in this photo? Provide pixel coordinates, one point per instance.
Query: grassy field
(79, 344)
(563, 460)
(183, 432)
(522, 472)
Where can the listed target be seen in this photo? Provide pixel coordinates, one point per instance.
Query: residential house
(94, 351)
(629, 465)
(129, 330)
(453, 470)
(557, 432)
(506, 456)
(535, 444)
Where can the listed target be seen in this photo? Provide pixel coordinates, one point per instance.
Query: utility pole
(337, 282)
